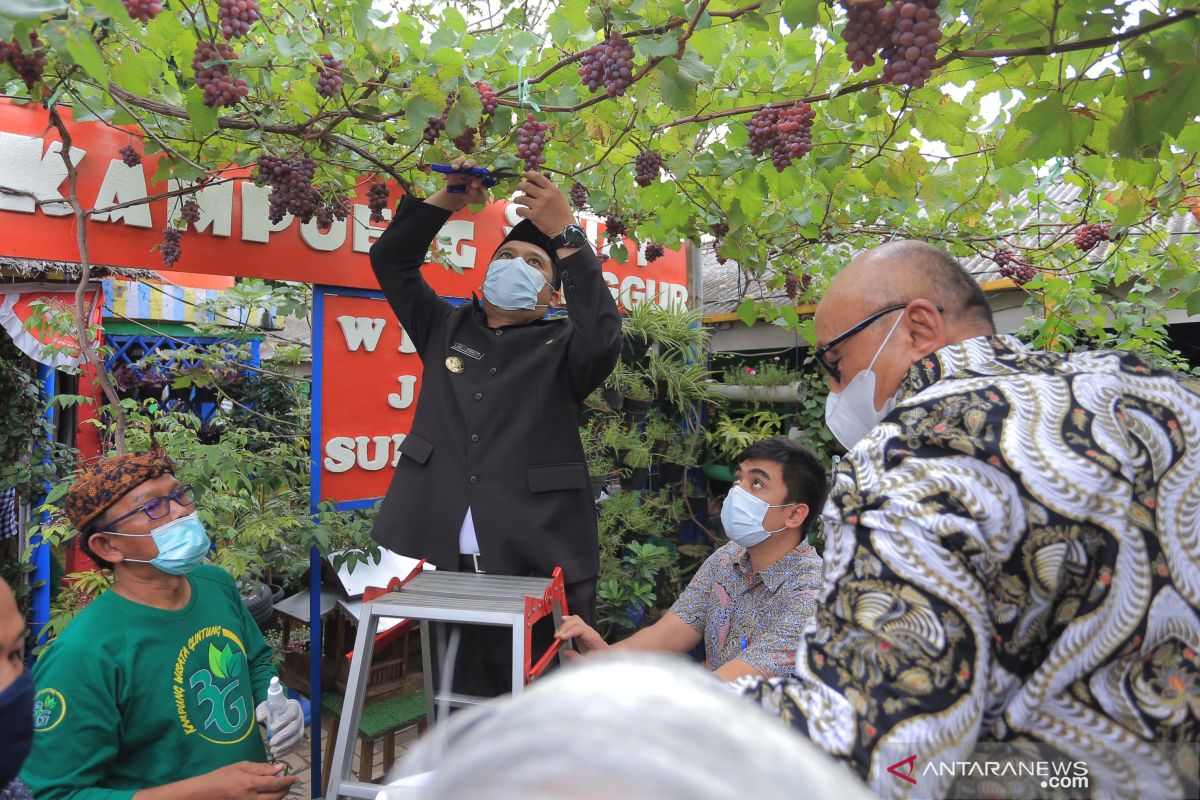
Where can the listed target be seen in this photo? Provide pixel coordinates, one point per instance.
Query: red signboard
(234, 235)
(370, 376)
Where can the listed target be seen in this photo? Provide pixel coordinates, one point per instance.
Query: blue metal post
(314, 556)
(40, 550)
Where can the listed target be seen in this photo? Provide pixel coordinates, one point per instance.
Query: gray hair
(632, 726)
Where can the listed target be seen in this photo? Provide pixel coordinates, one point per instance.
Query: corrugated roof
(26, 268)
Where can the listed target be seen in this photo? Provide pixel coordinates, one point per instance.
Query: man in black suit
(493, 476)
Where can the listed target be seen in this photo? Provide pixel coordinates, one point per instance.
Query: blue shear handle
(460, 188)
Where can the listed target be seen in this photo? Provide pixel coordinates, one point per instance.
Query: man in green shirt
(150, 692)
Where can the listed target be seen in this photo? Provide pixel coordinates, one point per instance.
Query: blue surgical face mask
(182, 545)
(16, 720)
(513, 284)
(742, 514)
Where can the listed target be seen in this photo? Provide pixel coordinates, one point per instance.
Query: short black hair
(802, 472)
(85, 538)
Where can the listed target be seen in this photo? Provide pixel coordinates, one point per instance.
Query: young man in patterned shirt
(751, 598)
(1012, 551)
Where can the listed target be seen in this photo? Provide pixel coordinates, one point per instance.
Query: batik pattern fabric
(1013, 555)
(749, 616)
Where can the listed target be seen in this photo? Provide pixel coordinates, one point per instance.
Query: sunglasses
(159, 507)
(834, 370)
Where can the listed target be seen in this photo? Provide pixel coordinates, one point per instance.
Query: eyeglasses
(834, 371)
(159, 507)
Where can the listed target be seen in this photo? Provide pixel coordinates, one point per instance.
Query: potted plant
(638, 400)
(636, 467)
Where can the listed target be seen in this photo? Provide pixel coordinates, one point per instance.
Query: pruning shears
(490, 178)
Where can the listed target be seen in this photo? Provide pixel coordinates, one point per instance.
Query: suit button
(479, 395)
(564, 275)
(474, 437)
(492, 370)
(474, 479)
(499, 333)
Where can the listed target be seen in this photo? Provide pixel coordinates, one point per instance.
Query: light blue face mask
(182, 545)
(743, 514)
(513, 284)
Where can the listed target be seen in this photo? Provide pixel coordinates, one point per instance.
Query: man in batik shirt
(1012, 552)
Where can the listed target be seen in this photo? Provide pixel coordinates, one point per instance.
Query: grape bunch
(579, 195)
(170, 245)
(488, 96)
(1088, 236)
(614, 228)
(786, 133)
(531, 142)
(654, 252)
(143, 10)
(1012, 267)
(794, 285)
(236, 16)
(29, 64)
(914, 41)
(864, 34)
(130, 156)
(377, 200)
(290, 180)
(647, 166)
(434, 126)
(329, 76)
(719, 229)
(794, 135)
(213, 76)
(326, 211)
(761, 128)
(608, 64)
(465, 141)
(717, 245)
(905, 33)
(189, 212)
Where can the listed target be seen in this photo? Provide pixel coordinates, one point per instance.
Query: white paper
(374, 573)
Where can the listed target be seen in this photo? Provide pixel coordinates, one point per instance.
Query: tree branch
(85, 274)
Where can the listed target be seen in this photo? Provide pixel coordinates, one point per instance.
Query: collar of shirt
(787, 568)
(981, 355)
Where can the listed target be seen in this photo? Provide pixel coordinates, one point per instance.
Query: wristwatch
(571, 236)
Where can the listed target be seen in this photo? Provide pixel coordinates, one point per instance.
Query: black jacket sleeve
(596, 338)
(396, 259)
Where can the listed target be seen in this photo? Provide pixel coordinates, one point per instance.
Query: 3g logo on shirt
(210, 686)
(49, 709)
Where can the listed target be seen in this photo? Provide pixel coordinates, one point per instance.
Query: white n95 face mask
(851, 413)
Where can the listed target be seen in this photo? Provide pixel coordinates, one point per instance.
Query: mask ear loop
(886, 339)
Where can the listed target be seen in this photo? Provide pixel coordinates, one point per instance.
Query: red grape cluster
(579, 195)
(531, 142)
(614, 228)
(1012, 267)
(236, 16)
(1088, 236)
(377, 200)
(719, 229)
(905, 33)
(465, 141)
(170, 245)
(143, 10)
(786, 133)
(654, 252)
(329, 76)
(213, 76)
(28, 64)
(489, 97)
(865, 33)
(794, 285)
(648, 166)
(795, 135)
(434, 126)
(327, 211)
(717, 245)
(189, 212)
(130, 156)
(292, 191)
(608, 64)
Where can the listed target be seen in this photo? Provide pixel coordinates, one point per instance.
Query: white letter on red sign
(339, 454)
(404, 399)
(216, 206)
(26, 169)
(383, 452)
(361, 331)
(124, 184)
(256, 221)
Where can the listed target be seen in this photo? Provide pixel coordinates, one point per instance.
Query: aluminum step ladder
(453, 597)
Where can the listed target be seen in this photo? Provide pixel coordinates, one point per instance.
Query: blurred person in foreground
(634, 726)
(1012, 547)
(16, 698)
